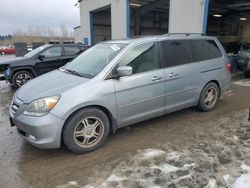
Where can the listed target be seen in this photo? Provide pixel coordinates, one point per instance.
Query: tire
(247, 74)
(208, 101)
(80, 129)
(21, 77)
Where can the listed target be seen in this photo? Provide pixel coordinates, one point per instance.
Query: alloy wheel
(88, 132)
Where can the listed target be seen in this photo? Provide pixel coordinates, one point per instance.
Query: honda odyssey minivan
(118, 83)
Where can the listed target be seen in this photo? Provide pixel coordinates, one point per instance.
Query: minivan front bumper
(42, 132)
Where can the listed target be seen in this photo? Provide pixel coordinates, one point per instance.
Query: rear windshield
(246, 46)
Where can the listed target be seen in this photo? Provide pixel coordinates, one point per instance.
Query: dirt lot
(182, 149)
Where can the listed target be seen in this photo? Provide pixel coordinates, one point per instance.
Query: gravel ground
(183, 149)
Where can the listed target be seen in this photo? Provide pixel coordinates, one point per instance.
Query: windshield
(93, 60)
(35, 51)
(246, 46)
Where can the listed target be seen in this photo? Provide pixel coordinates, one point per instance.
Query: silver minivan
(118, 83)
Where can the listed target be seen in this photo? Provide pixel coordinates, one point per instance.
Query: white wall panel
(119, 17)
(187, 16)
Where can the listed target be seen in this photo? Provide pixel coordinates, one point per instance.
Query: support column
(120, 19)
(188, 16)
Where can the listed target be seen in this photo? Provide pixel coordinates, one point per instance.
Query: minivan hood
(50, 84)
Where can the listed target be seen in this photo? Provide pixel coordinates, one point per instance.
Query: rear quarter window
(205, 50)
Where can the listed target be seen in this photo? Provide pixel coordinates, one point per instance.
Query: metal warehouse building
(112, 19)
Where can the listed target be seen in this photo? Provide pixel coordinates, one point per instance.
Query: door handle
(156, 78)
(172, 74)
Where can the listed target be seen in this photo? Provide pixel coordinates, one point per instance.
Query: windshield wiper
(78, 74)
(73, 72)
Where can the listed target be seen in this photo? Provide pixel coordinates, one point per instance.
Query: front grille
(16, 104)
(14, 108)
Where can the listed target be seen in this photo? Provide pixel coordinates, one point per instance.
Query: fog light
(31, 137)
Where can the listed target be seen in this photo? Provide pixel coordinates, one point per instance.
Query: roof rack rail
(186, 34)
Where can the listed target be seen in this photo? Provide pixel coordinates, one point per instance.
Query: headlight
(7, 72)
(41, 107)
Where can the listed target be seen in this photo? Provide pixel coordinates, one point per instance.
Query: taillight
(228, 65)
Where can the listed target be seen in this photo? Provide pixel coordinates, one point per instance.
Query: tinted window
(71, 50)
(176, 52)
(205, 50)
(142, 58)
(52, 52)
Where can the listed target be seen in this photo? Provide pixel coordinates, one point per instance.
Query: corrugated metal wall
(187, 16)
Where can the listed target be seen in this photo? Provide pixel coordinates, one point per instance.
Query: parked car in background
(39, 61)
(118, 83)
(244, 59)
(232, 49)
(7, 50)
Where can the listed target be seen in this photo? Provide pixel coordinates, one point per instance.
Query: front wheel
(21, 77)
(86, 130)
(209, 97)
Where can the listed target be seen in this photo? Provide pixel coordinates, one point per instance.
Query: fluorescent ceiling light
(135, 5)
(217, 15)
(243, 19)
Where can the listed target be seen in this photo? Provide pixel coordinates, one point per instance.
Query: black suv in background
(39, 61)
(244, 59)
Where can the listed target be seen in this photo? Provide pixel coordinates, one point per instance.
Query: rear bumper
(42, 132)
(225, 83)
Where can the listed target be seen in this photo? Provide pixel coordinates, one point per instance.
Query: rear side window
(71, 50)
(52, 52)
(176, 52)
(205, 50)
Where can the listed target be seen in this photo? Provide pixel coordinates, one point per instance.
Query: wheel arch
(213, 81)
(112, 120)
(14, 71)
(217, 83)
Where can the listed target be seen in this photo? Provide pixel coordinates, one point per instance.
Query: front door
(51, 59)
(141, 95)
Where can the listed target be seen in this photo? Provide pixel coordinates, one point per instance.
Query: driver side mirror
(124, 71)
(41, 57)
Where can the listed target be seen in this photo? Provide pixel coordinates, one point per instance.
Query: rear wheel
(86, 131)
(21, 77)
(209, 97)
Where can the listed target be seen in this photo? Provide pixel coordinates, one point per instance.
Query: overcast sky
(19, 15)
